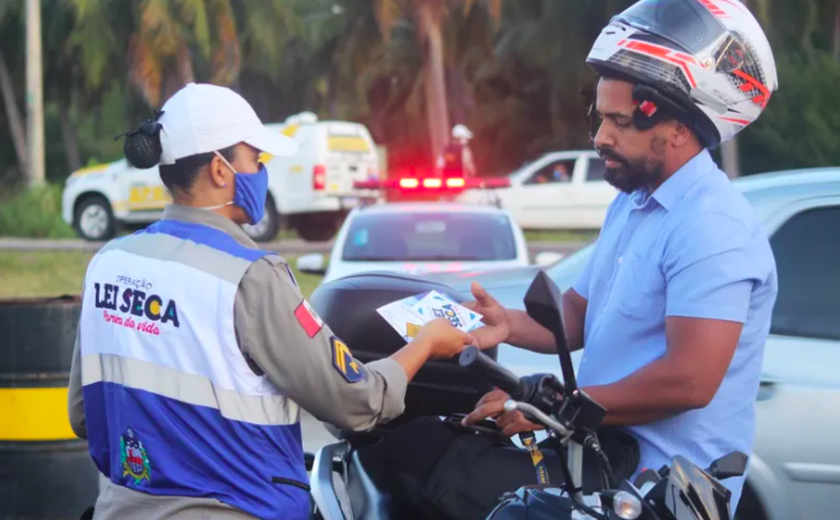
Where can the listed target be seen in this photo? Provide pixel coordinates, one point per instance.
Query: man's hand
(496, 320)
(493, 405)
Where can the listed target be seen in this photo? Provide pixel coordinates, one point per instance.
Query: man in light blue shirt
(673, 309)
(674, 306)
(672, 279)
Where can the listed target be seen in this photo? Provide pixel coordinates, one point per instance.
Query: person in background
(456, 159)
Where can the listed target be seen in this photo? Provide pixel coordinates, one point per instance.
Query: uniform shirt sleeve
(712, 266)
(75, 401)
(300, 362)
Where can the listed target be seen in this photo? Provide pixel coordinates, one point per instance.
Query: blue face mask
(250, 191)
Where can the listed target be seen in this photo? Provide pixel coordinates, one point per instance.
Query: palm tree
(430, 17)
(8, 12)
(157, 43)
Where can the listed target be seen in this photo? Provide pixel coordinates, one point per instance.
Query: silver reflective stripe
(191, 389)
(160, 246)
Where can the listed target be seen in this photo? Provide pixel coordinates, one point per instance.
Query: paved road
(282, 247)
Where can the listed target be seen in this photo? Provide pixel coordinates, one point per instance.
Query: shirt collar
(673, 189)
(208, 218)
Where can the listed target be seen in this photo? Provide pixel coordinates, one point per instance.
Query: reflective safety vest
(171, 405)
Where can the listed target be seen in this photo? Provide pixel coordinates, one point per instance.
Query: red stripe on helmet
(665, 54)
(742, 122)
(713, 8)
(763, 96)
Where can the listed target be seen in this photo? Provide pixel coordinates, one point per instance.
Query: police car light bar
(433, 183)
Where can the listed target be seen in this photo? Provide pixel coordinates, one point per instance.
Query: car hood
(434, 270)
(517, 278)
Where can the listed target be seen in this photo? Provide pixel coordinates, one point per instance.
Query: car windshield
(422, 236)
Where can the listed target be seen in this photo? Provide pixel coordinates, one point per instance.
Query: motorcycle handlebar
(472, 358)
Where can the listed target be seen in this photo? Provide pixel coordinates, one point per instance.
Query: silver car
(794, 470)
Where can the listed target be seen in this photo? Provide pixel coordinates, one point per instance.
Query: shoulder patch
(308, 319)
(344, 363)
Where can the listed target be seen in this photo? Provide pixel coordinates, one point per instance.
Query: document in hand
(408, 315)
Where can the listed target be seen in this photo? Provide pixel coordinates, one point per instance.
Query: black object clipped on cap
(142, 146)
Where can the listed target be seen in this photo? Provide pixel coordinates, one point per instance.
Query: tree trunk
(811, 25)
(835, 48)
(68, 137)
(435, 81)
(763, 14)
(729, 157)
(332, 92)
(15, 120)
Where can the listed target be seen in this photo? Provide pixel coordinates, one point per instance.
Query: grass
(560, 236)
(56, 273)
(34, 213)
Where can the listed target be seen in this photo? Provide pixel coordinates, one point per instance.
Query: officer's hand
(497, 325)
(492, 405)
(445, 340)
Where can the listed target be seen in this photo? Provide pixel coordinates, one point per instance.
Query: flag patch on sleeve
(308, 319)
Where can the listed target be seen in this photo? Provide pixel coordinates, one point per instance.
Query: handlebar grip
(472, 358)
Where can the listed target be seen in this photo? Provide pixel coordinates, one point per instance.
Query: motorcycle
(681, 491)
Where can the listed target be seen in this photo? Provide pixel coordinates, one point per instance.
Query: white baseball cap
(202, 118)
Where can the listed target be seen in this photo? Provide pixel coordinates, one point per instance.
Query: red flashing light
(434, 183)
(319, 177)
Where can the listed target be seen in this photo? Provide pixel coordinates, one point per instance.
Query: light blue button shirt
(693, 248)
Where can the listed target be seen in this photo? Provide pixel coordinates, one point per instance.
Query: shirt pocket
(640, 289)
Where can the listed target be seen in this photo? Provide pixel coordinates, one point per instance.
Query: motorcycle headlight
(627, 506)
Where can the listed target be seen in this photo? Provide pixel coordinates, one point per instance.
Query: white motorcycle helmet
(706, 62)
(461, 132)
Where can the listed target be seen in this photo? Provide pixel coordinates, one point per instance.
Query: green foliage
(34, 213)
(515, 80)
(801, 125)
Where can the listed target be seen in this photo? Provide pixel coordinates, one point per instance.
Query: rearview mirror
(547, 258)
(313, 263)
(731, 465)
(544, 304)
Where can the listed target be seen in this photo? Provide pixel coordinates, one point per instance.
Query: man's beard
(632, 174)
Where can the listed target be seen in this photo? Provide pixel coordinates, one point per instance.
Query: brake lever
(538, 415)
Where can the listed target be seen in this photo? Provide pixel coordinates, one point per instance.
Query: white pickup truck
(560, 190)
(310, 192)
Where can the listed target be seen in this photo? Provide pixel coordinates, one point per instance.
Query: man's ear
(681, 134)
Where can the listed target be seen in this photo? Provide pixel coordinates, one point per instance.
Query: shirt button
(619, 259)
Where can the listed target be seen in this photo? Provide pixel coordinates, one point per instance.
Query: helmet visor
(685, 22)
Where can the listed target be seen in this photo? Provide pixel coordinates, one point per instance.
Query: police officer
(673, 307)
(196, 350)
(456, 160)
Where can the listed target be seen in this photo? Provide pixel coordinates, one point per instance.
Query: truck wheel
(94, 219)
(266, 229)
(316, 228)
